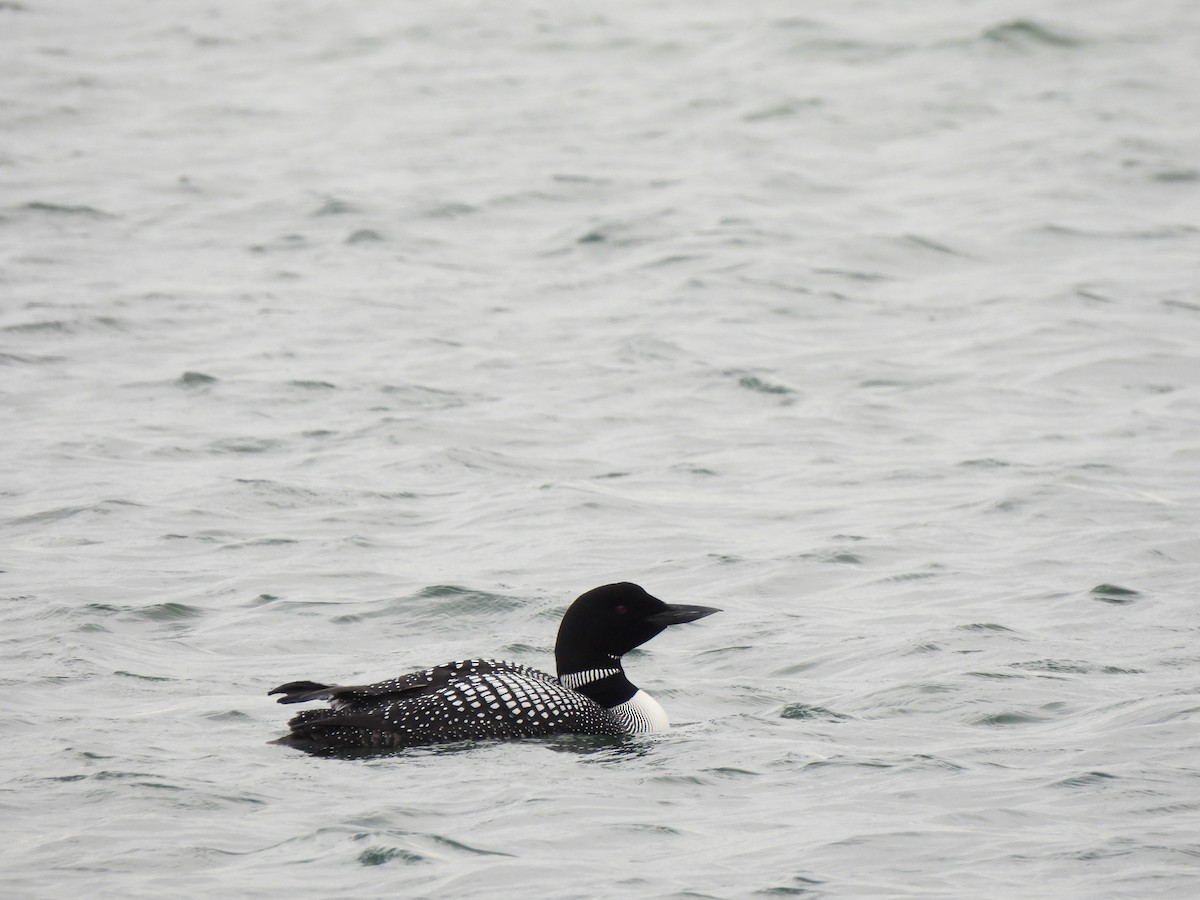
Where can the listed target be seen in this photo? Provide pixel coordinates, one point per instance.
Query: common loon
(487, 699)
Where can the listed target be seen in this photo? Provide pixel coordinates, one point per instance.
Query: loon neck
(605, 683)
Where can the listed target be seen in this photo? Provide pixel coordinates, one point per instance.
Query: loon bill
(488, 699)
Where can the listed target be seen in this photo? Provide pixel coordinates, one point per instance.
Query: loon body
(487, 699)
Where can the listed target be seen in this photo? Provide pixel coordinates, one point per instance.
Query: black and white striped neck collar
(576, 680)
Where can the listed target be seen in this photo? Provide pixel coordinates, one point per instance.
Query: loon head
(607, 622)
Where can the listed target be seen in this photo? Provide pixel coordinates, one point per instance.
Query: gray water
(342, 339)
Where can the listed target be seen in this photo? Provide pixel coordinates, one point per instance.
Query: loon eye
(622, 609)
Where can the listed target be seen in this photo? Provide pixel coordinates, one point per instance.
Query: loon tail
(303, 691)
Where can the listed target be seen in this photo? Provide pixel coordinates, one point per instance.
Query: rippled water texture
(342, 339)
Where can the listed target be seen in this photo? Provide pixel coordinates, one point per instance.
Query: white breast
(642, 714)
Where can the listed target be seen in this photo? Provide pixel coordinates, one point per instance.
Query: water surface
(339, 341)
